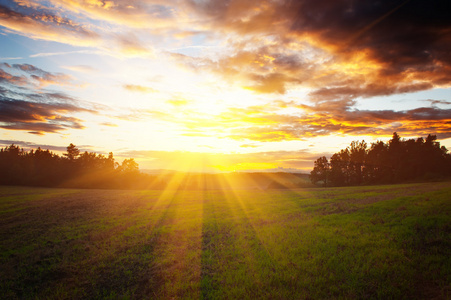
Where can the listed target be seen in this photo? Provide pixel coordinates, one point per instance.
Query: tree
(399, 160)
(376, 164)
(88, 170)
(109, 162)
(320, 172)
(340, 168)
(129, 165)
(357, 157)
(72, 152)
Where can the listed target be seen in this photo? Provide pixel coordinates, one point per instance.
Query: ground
(357, 242)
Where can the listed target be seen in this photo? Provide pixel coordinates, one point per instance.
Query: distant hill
(228, 181)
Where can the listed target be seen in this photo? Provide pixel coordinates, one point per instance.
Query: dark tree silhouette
(72, 152)
(396, 161)
(320, 172)
(88, 170)
(357, 158)
(377, 165)
(340, 168)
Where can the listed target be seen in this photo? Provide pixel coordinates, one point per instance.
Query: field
(379, 242)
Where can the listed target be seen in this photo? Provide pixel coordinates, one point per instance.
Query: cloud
(108, 124)
(284, 121)
(139, 88)
(412, 32)
(46, 26)
(248, 146)
(12, 79)
(273, 83)
(265, 69)
(178, 102)
(130, 45)
(81, 68)
(61, 53)
(341, 49)
(25, 105)
(10, 58)
(36, 117)
(29, 145)
(44, 78)
(135, 14)
(117, 28)
(437, 102)
(366, 91)
(29, 75)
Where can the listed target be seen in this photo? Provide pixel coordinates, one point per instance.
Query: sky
(233, 85)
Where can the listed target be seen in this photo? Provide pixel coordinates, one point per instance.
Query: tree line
(73, 169)
(396, 161)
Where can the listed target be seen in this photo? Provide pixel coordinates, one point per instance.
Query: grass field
(380, 242)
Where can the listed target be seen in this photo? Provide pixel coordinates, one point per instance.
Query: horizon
(213, 86)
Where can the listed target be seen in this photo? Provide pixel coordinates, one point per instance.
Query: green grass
(376, 242)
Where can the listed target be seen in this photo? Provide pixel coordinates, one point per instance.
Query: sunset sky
(222, 85)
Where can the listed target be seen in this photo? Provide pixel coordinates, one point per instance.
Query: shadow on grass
(208, 285)
(81, 245)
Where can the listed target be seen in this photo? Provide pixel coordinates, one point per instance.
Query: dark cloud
(12, 79)
(410, 40)
(43, 77)
(366, 91)
(33, 109)
(437, 102)
(13, 110)
(40, 128)
(37, 118)
(31, 75)
(402, 34)
(371, 48)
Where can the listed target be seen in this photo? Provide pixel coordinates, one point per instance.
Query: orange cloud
(130, 45)
(139, 88)
(108, 124)
(268, 123)
(12, 79)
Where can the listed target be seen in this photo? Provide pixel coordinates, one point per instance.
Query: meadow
(372, 242)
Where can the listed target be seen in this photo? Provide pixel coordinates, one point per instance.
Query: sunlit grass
(361, 242)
